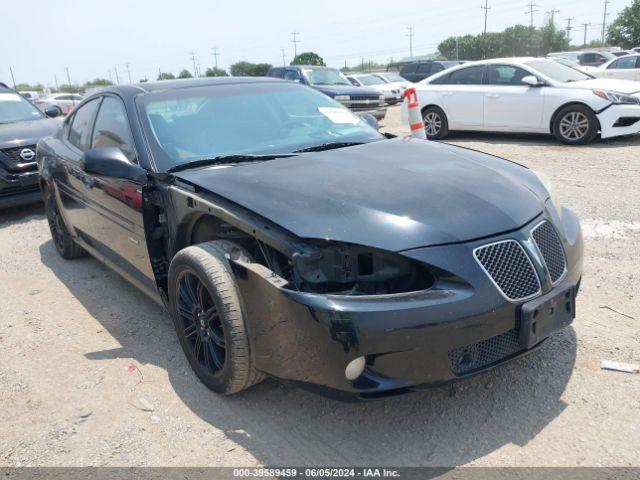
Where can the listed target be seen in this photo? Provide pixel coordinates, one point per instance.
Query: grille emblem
(27, 154)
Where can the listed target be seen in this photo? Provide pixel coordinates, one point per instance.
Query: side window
(409, 68)
(436, 67)
(505, 75)
(80, 130)
(467, 76)
(277, 72)
(424, 68)
(443, 80)
(112, 128)
(625, 62)
(292, 75)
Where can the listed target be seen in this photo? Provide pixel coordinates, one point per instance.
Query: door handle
(492, 95)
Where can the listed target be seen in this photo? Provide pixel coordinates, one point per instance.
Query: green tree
(248, 69)
(185, 74)
(143, 80)
(308, 58)
(166, 76)
(625, 30)
(98, 82)
(215, 72)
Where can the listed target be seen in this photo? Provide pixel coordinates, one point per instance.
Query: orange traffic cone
(416, 123)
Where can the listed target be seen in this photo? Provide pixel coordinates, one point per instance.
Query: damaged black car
(289, 238)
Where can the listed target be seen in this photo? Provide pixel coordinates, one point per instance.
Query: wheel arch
(568, 104)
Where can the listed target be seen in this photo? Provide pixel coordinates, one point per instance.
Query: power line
(295, 42)
(569, 28)
(410, 35)
(486, 9)
(552, 13)
(531, 11)
(604, 18)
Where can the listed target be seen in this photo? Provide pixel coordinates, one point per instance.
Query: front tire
(64, 243)
(436, 125)
(207, 314)
(575, 125)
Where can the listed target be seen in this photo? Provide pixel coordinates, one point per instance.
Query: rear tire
(64, 243)
(205, 305)
(436, 125)
(575, 125)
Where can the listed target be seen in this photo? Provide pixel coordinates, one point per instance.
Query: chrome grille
(550, 246)
(14, 153)
(510, 268)
(478, 355)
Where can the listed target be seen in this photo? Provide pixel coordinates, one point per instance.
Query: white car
(65, 102)
(535, 95)
(30, 95)
(394, 78)
(392, 94)
(625, 68)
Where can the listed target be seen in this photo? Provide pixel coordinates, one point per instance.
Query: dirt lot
(91, 372)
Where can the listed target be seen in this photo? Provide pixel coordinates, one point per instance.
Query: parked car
(392, 94)
(417, 71)
(63, 102)
(21, 126)
(534, 95)
(636, 49)
(626, 68)
(288, 238)
(394, 78)
(335, 85)
(571, 55)
(30, 95)
(594, 58)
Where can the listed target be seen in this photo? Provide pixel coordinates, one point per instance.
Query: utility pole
(128, 71)
(55, 79)
(457, 50)
(486, 9)
(295, 42)
(585, 25)
(530, 12)
(115, 69)
(12, 78)
(214, 52)
(193, 59)
(284, 62)
(410, 35)
(569, 28)
(552, 13)
(604, 19)
(68, 78)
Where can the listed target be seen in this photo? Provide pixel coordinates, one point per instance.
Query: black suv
(416, 71)
(21, 127)
(335, 85)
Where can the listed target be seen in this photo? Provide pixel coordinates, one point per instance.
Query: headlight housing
(617, 97)
(550, 190)
(342, 98)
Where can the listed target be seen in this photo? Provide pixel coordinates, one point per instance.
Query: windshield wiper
(328, 146)
(222, 159)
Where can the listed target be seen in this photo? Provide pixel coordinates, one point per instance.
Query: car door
(116, 203)
(69, 176)
(510, 104)
(461, 94)
(625, 68)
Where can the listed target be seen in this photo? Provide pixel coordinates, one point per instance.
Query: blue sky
(94, 39)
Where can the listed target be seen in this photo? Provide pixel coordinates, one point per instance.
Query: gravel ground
(92, 374)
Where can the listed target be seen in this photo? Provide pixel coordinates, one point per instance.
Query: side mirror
(52, 112)
(532, 81)
(371, 120)
(111, 162)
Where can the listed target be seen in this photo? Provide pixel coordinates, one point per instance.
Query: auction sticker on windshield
(339, 115)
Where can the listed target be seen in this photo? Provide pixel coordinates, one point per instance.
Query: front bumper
(18, 188)
(410, 341)
(618, 120)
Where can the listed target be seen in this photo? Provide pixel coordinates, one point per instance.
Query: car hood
(623, 86)
(392, 194)
(26, 133)
(333, 90)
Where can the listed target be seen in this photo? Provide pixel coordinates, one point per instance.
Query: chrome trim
(535, 272)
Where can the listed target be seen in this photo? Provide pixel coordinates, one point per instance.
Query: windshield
(14, 108)
(370, 80)
(325, 76)
(390, 77)
(558, 72)
(245, 119)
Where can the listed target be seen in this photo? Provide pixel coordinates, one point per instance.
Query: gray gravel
(92, 374)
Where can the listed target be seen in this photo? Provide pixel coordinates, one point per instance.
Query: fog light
(354, 368)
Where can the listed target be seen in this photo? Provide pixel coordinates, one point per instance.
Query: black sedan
(21, 126)
(289, 238)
